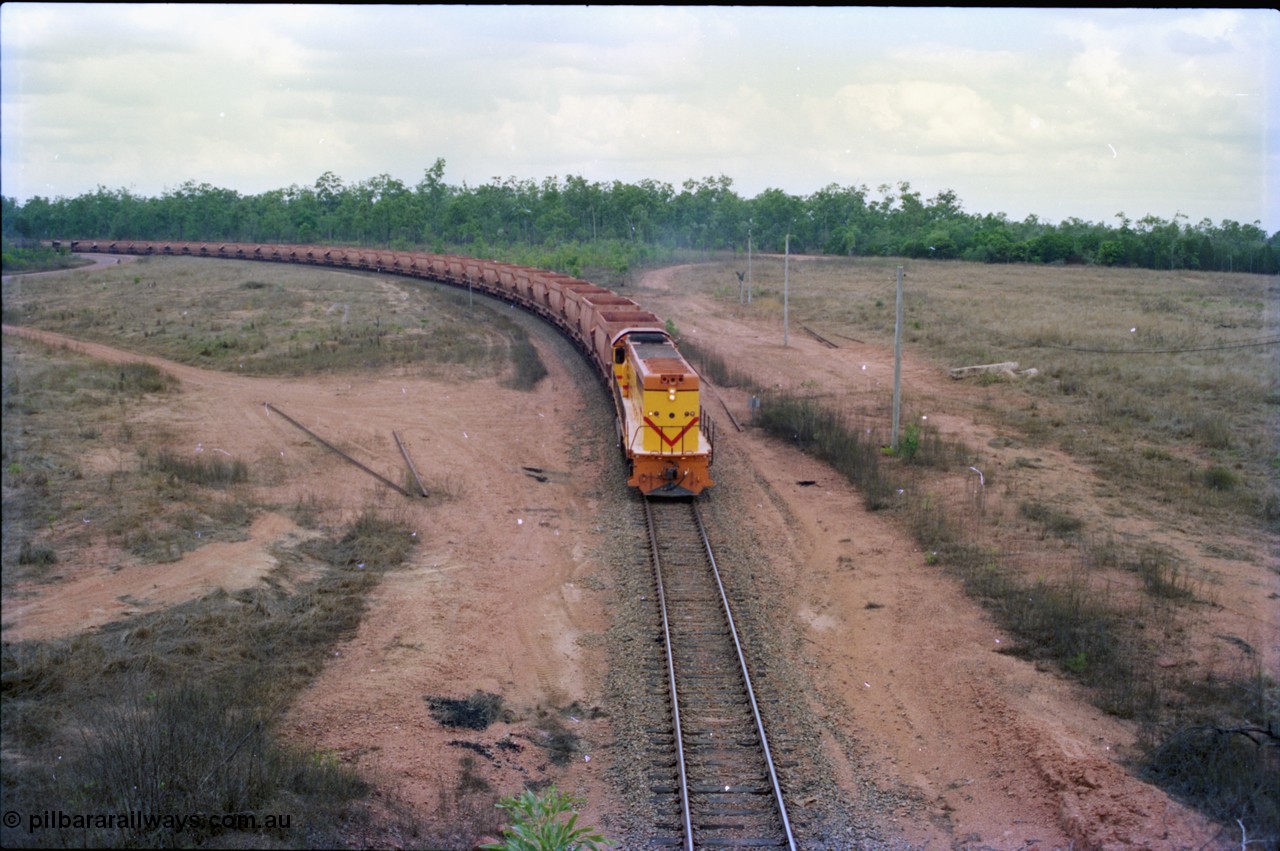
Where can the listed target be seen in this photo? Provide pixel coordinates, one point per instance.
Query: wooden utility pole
(786, 292)
(897, 364)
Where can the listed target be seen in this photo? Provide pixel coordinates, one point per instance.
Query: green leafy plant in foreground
(537, 824)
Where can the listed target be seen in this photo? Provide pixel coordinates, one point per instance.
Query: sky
(1056, 113)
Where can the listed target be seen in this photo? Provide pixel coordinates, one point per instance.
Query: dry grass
(269, 319)
(1148, 378)
(1142, 371)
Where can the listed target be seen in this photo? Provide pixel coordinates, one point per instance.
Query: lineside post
(786, 292)
(897, 364)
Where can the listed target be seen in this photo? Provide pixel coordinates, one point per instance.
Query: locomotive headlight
(672, 395)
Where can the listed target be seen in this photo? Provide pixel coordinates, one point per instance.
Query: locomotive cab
(620, 377)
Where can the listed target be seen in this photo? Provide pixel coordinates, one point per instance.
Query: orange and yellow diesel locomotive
(662, 430)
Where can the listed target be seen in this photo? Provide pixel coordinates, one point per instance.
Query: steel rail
(751, 692)
(671, 681)
(404, 450)
(327, 445)
(723, 403)
(821, 339)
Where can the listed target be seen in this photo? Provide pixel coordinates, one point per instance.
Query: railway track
(714, 770)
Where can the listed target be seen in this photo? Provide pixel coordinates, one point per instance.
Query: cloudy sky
(1056, 113)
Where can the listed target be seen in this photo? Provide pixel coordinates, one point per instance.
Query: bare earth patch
(507, 595)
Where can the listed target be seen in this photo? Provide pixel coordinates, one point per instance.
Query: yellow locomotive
(660, 418)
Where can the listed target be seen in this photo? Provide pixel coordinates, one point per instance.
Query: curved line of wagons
(665, 436)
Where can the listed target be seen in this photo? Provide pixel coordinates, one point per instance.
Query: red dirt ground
(503, 595)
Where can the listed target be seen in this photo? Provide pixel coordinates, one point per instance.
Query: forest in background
(624, 225)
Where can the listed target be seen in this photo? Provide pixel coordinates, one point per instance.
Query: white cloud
(1013, 109)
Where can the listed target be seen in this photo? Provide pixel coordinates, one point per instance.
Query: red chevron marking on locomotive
(670, 441)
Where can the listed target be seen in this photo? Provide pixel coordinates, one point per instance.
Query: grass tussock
(373, 542)
(36, 554)
(204, 469)
(174, 713)
(856, 447)
(719, 369)
(1061, 524)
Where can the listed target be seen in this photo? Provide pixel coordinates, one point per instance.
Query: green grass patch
(545, 821)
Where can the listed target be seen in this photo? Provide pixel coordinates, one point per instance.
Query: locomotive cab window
(619, 355)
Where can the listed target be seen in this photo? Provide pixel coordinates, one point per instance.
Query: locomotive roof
(661, 359)
(655, 351)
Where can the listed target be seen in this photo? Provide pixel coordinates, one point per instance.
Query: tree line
(638, 222)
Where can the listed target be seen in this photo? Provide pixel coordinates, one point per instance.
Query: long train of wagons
(662, 429)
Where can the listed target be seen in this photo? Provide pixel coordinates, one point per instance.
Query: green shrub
(909, 441)
(1219, 478)
(538, 824)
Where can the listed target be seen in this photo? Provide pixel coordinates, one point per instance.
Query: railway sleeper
(732, 842)
(755, 812)
(715, 791)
